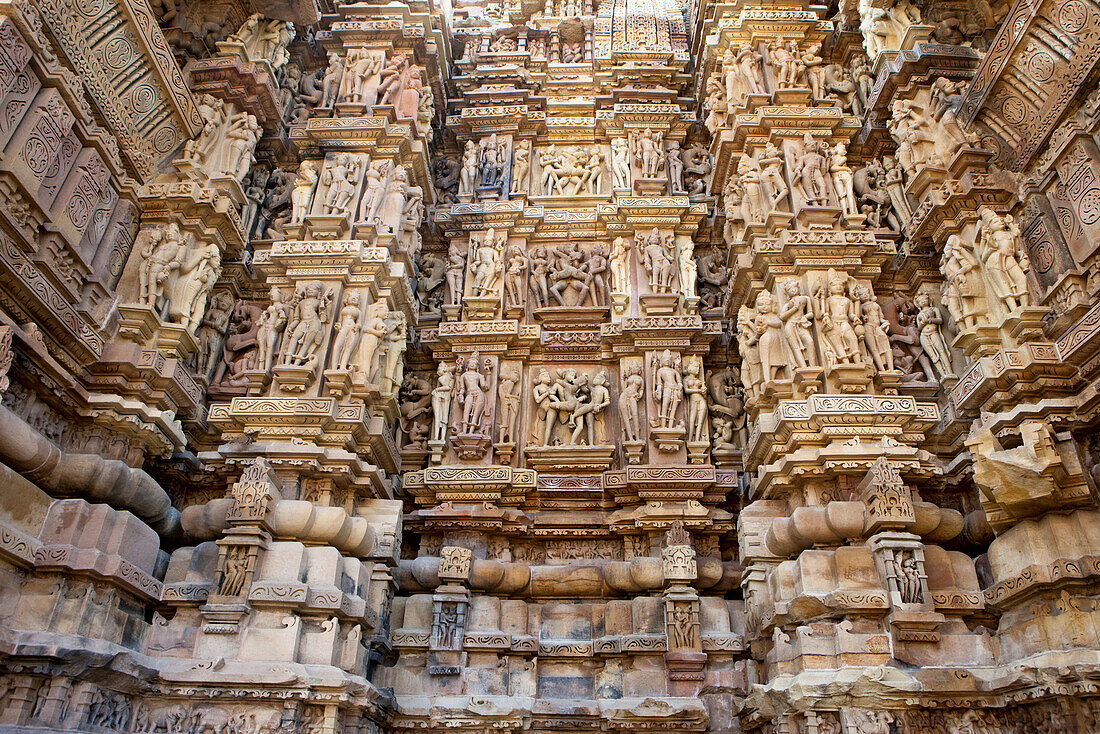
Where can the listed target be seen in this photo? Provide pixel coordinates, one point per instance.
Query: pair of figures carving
(302, 319)
(994, 270)
(226, 144)
(571, 399)
(265, 39)
(176, 275)
(571, 171)
(372, 344)
(742, 74)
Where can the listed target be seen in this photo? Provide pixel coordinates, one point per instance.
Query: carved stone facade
(579, 365)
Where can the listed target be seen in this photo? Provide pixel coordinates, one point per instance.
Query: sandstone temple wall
(564, 366)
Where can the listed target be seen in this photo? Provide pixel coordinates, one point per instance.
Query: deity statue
(189, 286)
(668, 389)
(753, 201)
(656, 249)
(784, 62)
(487, 252)
(809, 172)
(471, 392)
(211, 331)
(646, 147)
(491, 162)
(305, 330)
(839, 315)
(301, 196)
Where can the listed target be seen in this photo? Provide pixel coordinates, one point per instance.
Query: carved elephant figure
(211, 720)
(169, 719)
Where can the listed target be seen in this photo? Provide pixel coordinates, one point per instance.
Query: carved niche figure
(361, 77)
(305, 328)
(301, 196)
(620, 163)
(391, 211)
(341, 179)
(596, 267)
(271, 324)
(508, 398)
(239, 350)
(810, 171)
(964, 292)
(1005, 264)
(487, 251)
(696, 390)
(371, 344)
(374, 189)
(412, 216)
(191, 284)
(334, 75)
(752, 76)
(264, 39)
(556, 400)
(797, 314)
(698, 165)
(713, 278)
(734, 85)
(675, 167)
(716, 102)
(571, 281)
(775, 184)
(771, 347)
(784, 62)
(445, 173)
(916, 141)
(909, 357)
(946, 101)
(630, 395)
(874, 200)
(620, 274)
(540, 275)
(842, 179)
(668, 388)
(468, 175)
(931, 338)
(908, 577)
(876, 334)
(211, 331)
(515, 274)
(689, 269)
(347, 331)
(656, 250)
(588, 414)
(646, 147)
(471, 392)
(161, 255)
(839, 315)
(414, 403)
(748, 335)
(441, 401)
(815, 69)
(392, 369)
(491, 162)
(753, 201)
(401, 87)
(521, 167)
